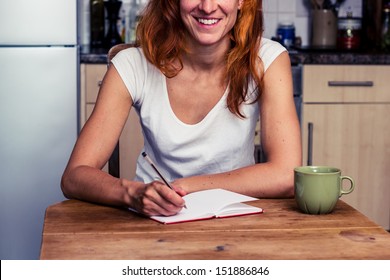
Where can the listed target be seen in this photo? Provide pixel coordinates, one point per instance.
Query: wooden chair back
(116, 49)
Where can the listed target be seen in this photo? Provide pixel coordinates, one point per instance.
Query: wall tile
(295, 11)
(286, 6)
(271, 6)
(270, 24)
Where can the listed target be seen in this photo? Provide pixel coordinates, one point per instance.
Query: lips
(207, 21)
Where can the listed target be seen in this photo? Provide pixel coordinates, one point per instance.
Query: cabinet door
(91, 76)
(355, 138)
(94, 75)
(346, 84)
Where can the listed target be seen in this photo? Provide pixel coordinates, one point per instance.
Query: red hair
(160, 33)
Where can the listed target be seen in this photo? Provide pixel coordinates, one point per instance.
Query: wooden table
(79, 230)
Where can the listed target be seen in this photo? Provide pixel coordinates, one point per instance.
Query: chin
(207, 42)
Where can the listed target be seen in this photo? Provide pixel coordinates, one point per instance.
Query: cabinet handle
(310, 127)
(350, 83)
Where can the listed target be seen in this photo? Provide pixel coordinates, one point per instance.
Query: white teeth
(207, 21)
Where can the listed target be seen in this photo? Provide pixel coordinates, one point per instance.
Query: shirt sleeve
(269, 51)
(131, 67)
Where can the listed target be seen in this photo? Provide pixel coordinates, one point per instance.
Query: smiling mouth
(207, 21)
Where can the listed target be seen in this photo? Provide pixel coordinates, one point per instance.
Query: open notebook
(213, 203)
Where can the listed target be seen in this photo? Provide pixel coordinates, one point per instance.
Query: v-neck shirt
(220, 142)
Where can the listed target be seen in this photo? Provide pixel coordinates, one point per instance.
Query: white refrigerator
(39, 92)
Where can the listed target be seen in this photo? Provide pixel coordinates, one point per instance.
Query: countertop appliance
(39, 56)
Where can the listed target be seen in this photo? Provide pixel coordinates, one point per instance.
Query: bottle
(133, 18)
(385, 38)
(84, 27)
(97, 23)
(112, 37)
(286, 33)
(122, 24)
(349, 33)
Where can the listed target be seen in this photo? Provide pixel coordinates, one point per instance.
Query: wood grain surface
(80, 230)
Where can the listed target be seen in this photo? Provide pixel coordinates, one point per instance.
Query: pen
(149, 160)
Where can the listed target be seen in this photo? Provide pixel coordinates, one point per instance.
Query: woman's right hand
(155, 198)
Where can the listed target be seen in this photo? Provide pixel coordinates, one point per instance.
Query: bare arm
(280, 138)
(83, 178)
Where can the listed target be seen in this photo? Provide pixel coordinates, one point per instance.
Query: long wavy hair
(161, 35)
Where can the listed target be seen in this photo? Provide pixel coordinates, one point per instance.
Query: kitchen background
(21, 229)
(297, 12)
(275, 12)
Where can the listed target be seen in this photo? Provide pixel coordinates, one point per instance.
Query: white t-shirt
(220, 142)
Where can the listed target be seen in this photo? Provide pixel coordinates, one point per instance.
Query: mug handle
(351, 187)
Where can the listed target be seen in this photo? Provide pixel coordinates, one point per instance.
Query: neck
(206, 58)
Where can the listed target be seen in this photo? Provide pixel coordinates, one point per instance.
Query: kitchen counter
(298, 56)
(306, 56)
(93, 55)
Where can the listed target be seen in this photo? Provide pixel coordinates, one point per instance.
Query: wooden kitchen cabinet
(131, 140)
(346, 124)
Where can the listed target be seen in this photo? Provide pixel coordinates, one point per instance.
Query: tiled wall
(294, 11)
(297, 12)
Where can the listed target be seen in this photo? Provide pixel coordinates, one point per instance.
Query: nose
(208, 6)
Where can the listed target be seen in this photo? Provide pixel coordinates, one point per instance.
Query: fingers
(179, 191)
(180, 187)
(158, 199)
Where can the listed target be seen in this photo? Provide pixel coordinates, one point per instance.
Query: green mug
(318, 188)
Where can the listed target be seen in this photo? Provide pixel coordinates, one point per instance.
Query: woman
(202, 77)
